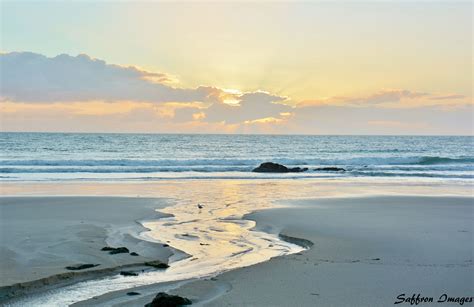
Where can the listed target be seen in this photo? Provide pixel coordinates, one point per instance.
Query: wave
(358, 161)
(9, 170)
(443, 160)
(420, 175)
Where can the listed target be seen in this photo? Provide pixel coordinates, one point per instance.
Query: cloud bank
(79, 93)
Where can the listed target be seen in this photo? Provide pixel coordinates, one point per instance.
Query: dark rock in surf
(330, 169)
(165, 300)
(270, 167)
(134, 254)
(128, 273)
(81, 266)
(107, 248)
(157, 264)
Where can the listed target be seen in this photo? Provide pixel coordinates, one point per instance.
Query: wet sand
(40, 236)
(366, 252)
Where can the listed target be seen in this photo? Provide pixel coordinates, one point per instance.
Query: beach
(367, 251)
(43, 235)
(361, 244)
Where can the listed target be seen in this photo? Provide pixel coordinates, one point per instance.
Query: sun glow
(231, 96)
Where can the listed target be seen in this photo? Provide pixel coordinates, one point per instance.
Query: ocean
(135, 157)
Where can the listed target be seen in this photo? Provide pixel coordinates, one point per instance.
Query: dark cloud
(31, 77)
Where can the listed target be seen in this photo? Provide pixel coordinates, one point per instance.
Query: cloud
(251, 106)
(448, 97)
(387, 96)
(67, 93)
(392, 98)
(30, 77)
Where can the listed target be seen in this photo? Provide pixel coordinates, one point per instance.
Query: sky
(374, 67)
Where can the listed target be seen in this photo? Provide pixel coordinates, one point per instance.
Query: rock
(119, 250)
(115, 250)
(157, 264)
(165, 300)
(133, 293)
(128, 273)
(270, 167)
(165, 245)
(81, 266)
(330, 169)
(134, 254)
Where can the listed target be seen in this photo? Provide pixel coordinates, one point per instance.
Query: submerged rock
(157, 264)
(165, 300)
(81, 266)
(330, 169)
(270, 167)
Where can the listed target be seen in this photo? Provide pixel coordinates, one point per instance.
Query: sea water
(118, 157)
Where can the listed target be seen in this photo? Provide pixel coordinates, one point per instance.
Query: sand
(40, 236)
(366, 252)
